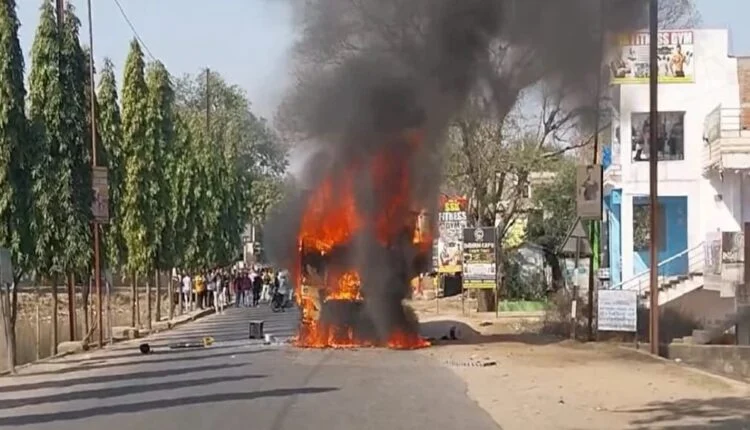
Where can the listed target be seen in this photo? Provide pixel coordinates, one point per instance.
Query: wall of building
(716, 83)
(728, 207)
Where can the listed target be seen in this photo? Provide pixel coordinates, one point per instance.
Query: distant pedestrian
(220, 293)
(200, 290)
(211, 289)
(187, 289)
(257, 287)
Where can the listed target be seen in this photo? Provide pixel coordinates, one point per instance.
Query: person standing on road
(220, 293)
(187, 288)
(257, 286)
(265, 295)
(237, 290)
(200, 290)
(211, 289)
(285, 287)
(247, 289)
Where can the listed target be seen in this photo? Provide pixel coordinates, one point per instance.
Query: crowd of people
(218, 288)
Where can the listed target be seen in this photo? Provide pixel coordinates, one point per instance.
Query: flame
(332, 219)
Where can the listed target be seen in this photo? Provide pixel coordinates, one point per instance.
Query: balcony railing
(726, 131)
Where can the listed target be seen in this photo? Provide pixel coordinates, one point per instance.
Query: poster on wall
(588, 192)
(480, 245)
(670, 138)
(630, 64)
(452, 220)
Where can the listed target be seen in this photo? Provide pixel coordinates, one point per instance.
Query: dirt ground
(545, 382)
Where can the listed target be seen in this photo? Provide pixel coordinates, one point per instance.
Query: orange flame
(331, 219)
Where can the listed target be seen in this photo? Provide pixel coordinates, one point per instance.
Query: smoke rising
(370, 69)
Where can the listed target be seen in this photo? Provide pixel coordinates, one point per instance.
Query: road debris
(472, 363)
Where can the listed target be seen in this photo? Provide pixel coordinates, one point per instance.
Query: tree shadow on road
(720, 413)
(166, 356)
(131, 408)
(109, 392)
(439, 333)
(108, 378)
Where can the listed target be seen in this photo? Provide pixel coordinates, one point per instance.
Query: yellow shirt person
(200, 284)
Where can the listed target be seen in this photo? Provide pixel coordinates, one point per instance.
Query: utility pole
(94, 162)
(653, 154)
(60, 5)
(595, 225)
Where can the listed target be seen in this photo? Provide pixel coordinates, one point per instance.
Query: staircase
(670, 286)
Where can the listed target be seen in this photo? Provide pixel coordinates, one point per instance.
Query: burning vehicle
(336, 305)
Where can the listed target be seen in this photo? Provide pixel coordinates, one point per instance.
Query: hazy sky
(248, 40)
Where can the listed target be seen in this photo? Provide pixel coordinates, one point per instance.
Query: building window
(641, 231)
(670, 137)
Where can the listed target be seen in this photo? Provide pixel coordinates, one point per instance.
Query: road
(239, 384)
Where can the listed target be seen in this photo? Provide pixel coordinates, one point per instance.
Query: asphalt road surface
(240, 384)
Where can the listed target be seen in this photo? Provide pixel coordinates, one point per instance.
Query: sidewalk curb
(175, 322)
(687, 367)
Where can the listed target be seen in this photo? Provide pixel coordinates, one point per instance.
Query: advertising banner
(588, 192)
(480, 246)
(630, 64)
(452, 220)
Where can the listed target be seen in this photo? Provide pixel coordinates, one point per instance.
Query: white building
(704, 162)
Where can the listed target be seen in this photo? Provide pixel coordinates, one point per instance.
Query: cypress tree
(161, 135)
(77, 146)
(15, 176)
(51, 184)
(135, 208)
(110, 130)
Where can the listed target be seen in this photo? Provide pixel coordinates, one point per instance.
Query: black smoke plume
(369, 69)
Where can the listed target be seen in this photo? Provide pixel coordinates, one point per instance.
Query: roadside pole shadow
(109, 392)
(108, 378)
(131, 408)
(164, 356)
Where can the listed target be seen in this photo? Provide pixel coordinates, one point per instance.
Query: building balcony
(726, 139)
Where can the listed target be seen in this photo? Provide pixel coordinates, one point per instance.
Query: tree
(237, 157)
(136, 209)
(15, 177)
(53, 206)
(678, 14)
(110, 128)
(554, 211)
(161, 134)
(76, 153)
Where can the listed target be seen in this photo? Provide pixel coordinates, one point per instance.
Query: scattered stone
(71, 347)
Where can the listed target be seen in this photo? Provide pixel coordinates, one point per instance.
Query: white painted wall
(715, 83)
(732, 210)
